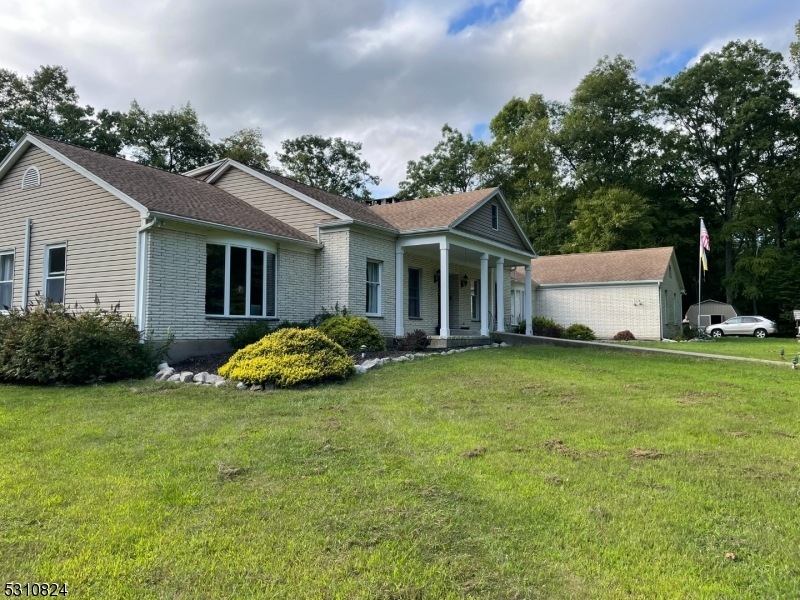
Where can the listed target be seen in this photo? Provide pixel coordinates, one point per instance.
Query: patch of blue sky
(480, 132)
(482, 14)
(667, 64)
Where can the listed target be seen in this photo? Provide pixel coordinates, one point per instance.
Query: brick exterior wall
(297, 284)
(333, 275)
(606, 309)
(364, 247)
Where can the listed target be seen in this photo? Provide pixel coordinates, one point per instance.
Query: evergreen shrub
(546, 327)
(289, 357)
(576, 331)
(249, 334)
(353, 332)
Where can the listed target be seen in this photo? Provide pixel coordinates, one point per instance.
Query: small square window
(495, 217)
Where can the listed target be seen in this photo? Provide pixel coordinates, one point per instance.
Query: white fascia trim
(285, 188)
(350, 222)
(497, 194)
(591, 284)
(514, 253)
(203, 169)
(30, 140)
(209, 224)
(410, 242)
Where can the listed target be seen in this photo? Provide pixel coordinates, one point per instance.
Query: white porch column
(444, 289)
(485, 294)
(501, 295)
(528, 301)
(399, 275)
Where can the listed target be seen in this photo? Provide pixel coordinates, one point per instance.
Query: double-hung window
(475, 299)
(6, 280)
(240, 281)
(55, 270)
(373, 288)
(495, 217)
(414, 295)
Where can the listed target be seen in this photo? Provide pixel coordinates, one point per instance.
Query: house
(713, 312)
(637, 290)
(203, 253)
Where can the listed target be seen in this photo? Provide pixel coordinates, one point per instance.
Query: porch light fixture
(437, 276)
(464, 280)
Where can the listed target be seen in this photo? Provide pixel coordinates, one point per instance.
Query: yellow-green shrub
(352, 332)
(289, 357)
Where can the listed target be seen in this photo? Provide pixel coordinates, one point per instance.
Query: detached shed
(711, 313)
(637, 290)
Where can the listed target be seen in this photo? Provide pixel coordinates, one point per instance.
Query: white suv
(757, 326)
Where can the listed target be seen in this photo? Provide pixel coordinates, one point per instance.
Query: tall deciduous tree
(522, 161)
(331, 164)
(451, 167)
(46, 103)
(794, 50)
(245, 146)
(730, 112)
(174, 140)
(611, 219)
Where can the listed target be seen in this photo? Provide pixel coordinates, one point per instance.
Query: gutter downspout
(26, 263)
(141, 272)
(660, 313)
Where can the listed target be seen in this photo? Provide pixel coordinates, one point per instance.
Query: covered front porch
(457, 288)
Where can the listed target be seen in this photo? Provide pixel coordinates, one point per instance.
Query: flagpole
(699, 279)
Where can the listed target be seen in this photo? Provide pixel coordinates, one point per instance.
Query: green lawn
(766, 349)
(510, 473)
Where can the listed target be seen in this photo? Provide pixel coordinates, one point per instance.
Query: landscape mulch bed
(213, 362)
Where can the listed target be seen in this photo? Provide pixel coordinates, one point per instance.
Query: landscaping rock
(400, 359)
(201, 377)
(503, 345)
(220, 382)
(165, 374)
(212, 379)
(371, 364)
(186, 376)
(176, 378)
(409, 356)
(360, 370)
(420, 355)
(256, 387)
(162, 366)
(242, 386)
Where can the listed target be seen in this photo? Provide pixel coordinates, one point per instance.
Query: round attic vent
(31, 178)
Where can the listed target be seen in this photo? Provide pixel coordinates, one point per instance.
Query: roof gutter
(271, 236)
(596, 283)
(348, 222)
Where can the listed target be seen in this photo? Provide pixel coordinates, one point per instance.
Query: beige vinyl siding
(98, 229)
(293, 211)
(480, 223)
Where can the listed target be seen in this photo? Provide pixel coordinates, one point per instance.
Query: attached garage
(638, 290)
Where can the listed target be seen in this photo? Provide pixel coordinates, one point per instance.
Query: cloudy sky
(388, 73)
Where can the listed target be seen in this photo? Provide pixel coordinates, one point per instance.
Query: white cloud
(383, 73)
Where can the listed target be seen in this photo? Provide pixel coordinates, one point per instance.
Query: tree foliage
(612, 218)
(331, 164)
(245, 146)
(451, 168)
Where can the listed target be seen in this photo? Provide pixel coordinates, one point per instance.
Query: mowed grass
(749, 347)
(509, 473)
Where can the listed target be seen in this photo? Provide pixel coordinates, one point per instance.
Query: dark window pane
(57, 261)
(413, 293)
(55, 290)
(257, 283)
(215, 279)
(5, 295)
(7, 267)
(272, 278)
(494, 216)
(238, 281)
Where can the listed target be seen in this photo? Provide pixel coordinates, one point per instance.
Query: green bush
(353, 332)
(325, 314)
(624, 336)
(289, 357)
(576, 331)
(293, 325)
(413, 341)
(520, 326)
(546, 327)
(249, 334)
(50, 344)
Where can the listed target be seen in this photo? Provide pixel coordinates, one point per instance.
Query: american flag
(704, 245)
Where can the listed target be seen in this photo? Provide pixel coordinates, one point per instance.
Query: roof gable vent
(31, 179)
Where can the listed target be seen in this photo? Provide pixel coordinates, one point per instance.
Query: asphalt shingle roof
(172, 194)
(598, 267)
(352, 208)
(428, 213)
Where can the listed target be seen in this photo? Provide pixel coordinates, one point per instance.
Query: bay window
(240, 281)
